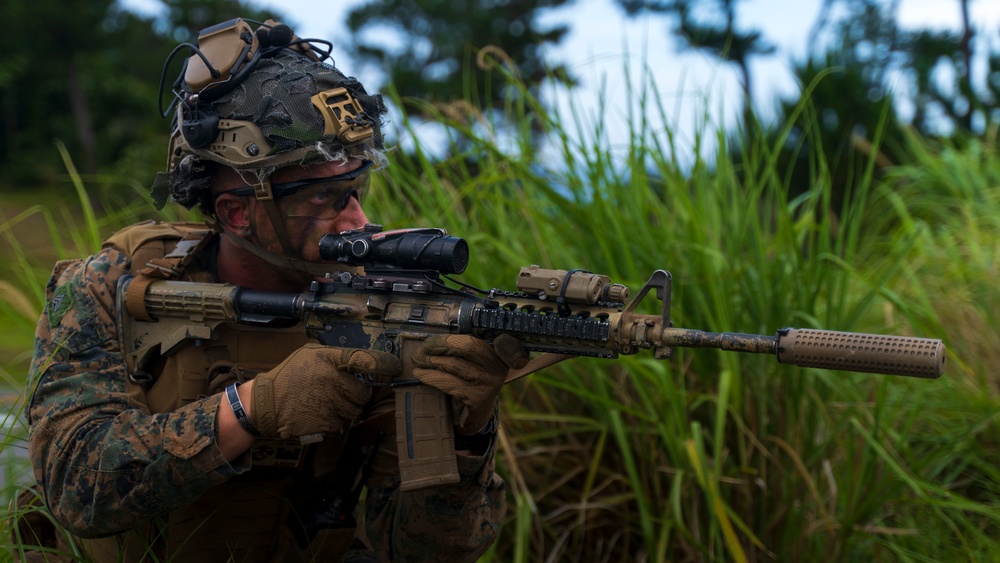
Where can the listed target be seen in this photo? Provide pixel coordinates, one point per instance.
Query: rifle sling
(535, 364)
(135, 298)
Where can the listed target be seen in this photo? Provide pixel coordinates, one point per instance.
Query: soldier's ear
(234, 212)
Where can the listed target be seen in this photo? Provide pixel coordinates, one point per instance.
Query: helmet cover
(289, 109)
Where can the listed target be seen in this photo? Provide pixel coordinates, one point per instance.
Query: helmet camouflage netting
(276, 97)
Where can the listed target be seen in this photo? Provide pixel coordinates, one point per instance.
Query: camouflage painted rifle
(400, 299)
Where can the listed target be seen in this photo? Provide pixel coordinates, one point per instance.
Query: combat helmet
(256, 100)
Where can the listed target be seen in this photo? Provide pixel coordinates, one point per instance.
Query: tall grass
(712, 455)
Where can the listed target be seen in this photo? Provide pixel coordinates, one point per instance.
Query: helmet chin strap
(287, 260)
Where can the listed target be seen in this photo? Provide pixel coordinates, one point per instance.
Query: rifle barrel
(826, 349)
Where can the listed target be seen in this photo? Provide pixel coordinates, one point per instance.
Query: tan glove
(316, 390)
(470, 370)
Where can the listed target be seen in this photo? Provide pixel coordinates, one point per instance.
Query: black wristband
(239, 411)
(480, 441)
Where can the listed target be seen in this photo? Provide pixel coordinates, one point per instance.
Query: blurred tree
(847, 102)
(947, 97)
(710, 26)
(46, 82)
(845, 105)
(950, 97)
(184, 19)
(86, 72)
(441, 51)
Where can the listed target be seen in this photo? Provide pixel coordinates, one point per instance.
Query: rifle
(400, 299)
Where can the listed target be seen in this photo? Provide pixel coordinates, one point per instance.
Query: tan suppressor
(869, 353)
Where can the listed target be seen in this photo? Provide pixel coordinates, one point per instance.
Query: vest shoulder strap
(161, 250)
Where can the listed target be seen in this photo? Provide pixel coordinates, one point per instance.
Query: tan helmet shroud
(242, 146)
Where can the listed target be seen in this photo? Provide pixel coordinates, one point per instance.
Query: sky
(604, 46)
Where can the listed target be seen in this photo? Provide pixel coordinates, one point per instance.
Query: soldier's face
(314, 210)
(308, 213)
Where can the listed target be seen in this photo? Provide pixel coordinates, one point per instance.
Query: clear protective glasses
(319, 198)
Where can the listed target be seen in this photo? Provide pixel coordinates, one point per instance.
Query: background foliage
(73, 56)
(858, 221)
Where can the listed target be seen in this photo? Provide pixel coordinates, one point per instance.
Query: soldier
(198, 457)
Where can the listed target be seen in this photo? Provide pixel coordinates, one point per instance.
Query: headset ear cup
(280, 35)
(201, 127)
(263, 41)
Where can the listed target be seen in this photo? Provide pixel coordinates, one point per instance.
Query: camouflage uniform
(106, 464)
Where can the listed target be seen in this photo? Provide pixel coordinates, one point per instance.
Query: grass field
(709, 455)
